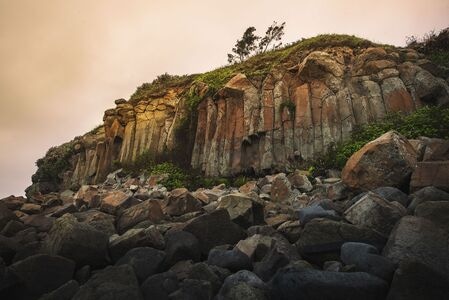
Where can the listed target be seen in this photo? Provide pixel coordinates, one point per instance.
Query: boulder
(435, 211)
(243, 285)
(64, 292)
(429, 193)
(31, 208)
(116, 201)
(386, 161)
(314, 211)
(6, 215)
(248, 187)
(159, 286)
(193, 289)
(181, 201)
(375, 212)
(291, 230)
(392, 194)
(42, 223)
(145, 261)
(421, 240)
(13, 202)
(214, 229)
(435, 149)
(292, 283)
(12, 227)
(256, 246)
(242, 209)
(68, 208)
(416, 281)
(88, 195)
(99, 220)
(203, 271)
(299, 181)
(233, 260)
(77, 241)
(181, 245)
(281, 188)
(42, 273)
(430, 173)
(113, 282)
(133, 238)
(268, 266)
(149, 210)
(322, 239)
(366, 258)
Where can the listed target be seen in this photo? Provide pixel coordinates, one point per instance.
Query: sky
(63, 62)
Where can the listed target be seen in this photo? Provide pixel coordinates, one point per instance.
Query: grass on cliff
(429, 121)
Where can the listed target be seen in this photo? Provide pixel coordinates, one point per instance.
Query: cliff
(267, 114)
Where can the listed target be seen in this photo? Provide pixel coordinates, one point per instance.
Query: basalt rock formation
(258, 119)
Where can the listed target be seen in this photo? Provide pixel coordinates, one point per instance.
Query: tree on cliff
(246, 46)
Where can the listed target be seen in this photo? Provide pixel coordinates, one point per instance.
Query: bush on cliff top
(55, 162)
(429, 121)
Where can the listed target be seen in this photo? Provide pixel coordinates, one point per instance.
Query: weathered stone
(31, 208)
(6, 215)
(181, 201)
(435, 211)
(40, 222)
(133, 238)
(233, 260)
(145, 261)
(68, 208)
(220, 230)
(243, 285)
(280, 188)
(387, 161)
(41, 273)
(99, 220)
(203, 271)
(149, 210)
(159, 286)
(115, 202)
(300, 181)
(375, 212)
(421, 240)
(277, 220)
(429, 193)
(113, 282)
(256, 246)
(87, 194)
(291, 230)
(250, 186)
(192, 289)
(314, 211)
(242, 209)
(431, 173)
(392, 194)
(13, 202)
(268, 266)
(77, 241)
(181, 245)
(292, 283)
(12, 228)
(435, 149)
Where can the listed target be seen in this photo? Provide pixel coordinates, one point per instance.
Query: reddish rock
(430, 173)
(115, 201)
(280, 188)
(181, 201)
(31, 208)
(387, 161)
(13, 202)
(250, 186)
(436, 149)
(149, 210)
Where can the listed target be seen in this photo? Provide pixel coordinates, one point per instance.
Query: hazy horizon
(65, 62)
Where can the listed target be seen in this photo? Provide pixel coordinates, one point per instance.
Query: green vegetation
(55, 162)
(429, 121)
(434, 45)
(290, 105)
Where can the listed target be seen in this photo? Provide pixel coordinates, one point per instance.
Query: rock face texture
(294, 112)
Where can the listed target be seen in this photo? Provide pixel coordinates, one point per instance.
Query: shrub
(55, 162)
(177, 178)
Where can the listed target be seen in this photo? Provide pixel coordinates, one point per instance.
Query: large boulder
(233, 260)
(387, 161)
(42, 273)
(242, 209)
(429, 193)
(322, 239)
(293, 283)
(99, 220)
(430, 173)
(116, 201)
(214, 229)
(435, 211)
(111, 283)
(181, 245)
(375, 212)
(77, 241)
(149, 210)
(133, 238)
(243, 285)
(421, 240)
(181, 201)
(281, 188)
(159, 286)
(145, 261)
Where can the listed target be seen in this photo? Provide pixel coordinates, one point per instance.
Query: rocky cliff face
(261, 123)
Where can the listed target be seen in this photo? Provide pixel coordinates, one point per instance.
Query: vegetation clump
(434, 45)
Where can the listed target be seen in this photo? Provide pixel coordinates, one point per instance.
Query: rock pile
(380, 232)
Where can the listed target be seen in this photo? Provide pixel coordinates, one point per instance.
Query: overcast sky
(63, 62)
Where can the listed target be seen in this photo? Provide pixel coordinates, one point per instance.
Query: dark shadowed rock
(268, 266)
(64, 292)
(430, 173)
(42, 273)
(42, 223)
(159, 286)
(133, 238)
(193, 289)
(366, 258)
(6, 215)
(435, 211)
(256, 246)
(13, 202)
(149, 210)
(12, 228)
(315, 211)
(233, 260)
(242, 209)
(392, 194)
(421, 240)
(203, 271)
(181, 245)
(99, 220)
(214, 229)
(68, 208)
(111, 283)
(291, 283)
(416, 281)
(77, 241)
(321, 239)
(429, 193)
(145, 261)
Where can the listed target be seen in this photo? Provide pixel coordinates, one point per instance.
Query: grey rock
(233, 260)
(145, 261)
(159, 286)
(64, 292)
(429, 193)
(181, 245)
